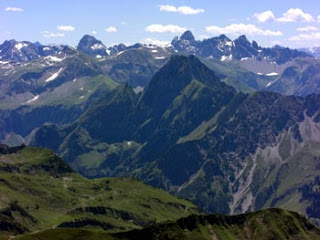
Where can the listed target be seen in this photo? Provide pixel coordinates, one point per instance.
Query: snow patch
(33, 99)
(226, 58)
(98, 56)
(97, 46)
(3, 62)
(54, 59)
(108, 51)
(259, 73)
(269, 83)
(46, 48)
(244, 59)
(272, 74)
(54, 76)
(154, 51)
(230, 43)
(81, 97)
(119, 53)
(138, 89)
(18, 46)
(160, 58)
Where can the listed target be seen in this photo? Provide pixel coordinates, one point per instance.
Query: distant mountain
(248, 67)
(242, 64)
(52, 89)
(314, 51)
(196, 137)
(135, 65)
(26, 51)
(224, 49)
(93, 47)
(39, 191)
(301, 78)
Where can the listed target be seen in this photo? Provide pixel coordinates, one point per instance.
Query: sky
(291, 23)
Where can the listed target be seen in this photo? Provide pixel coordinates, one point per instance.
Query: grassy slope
(263, 225)
(61, 195)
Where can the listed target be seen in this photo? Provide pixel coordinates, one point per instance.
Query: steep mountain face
(264, 225)
(39, 191)
(93, 47)
(178, 89)
(194, 136)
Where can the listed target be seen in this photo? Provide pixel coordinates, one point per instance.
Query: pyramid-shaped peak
(88, 40)
(91, 46)
(187, 35)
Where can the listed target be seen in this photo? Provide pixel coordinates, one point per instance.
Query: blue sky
(293, 23)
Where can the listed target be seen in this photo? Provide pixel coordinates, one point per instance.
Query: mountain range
(242, 64)
(194, 136)
(229, 125)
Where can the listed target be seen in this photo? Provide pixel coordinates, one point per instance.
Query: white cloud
(94, 32)
(185, 10)
(307, 29)
(47, 34)
(155, 42)
(168, 8)
(295, 15)
(239, 29)
(13, 9)
(306, 37)
(66, 28)
(111, 29)
(159, 28)
(203, 37)
(318, 18)
(264, 16)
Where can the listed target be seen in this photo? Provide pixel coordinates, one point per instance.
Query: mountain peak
(173, 77)
(88, 40)
(224, 37)
(242, 38)
(187, 35)
(88, 37)
(92, 46)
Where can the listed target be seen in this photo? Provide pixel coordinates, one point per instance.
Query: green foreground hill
(263, 225)
(39, 191)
